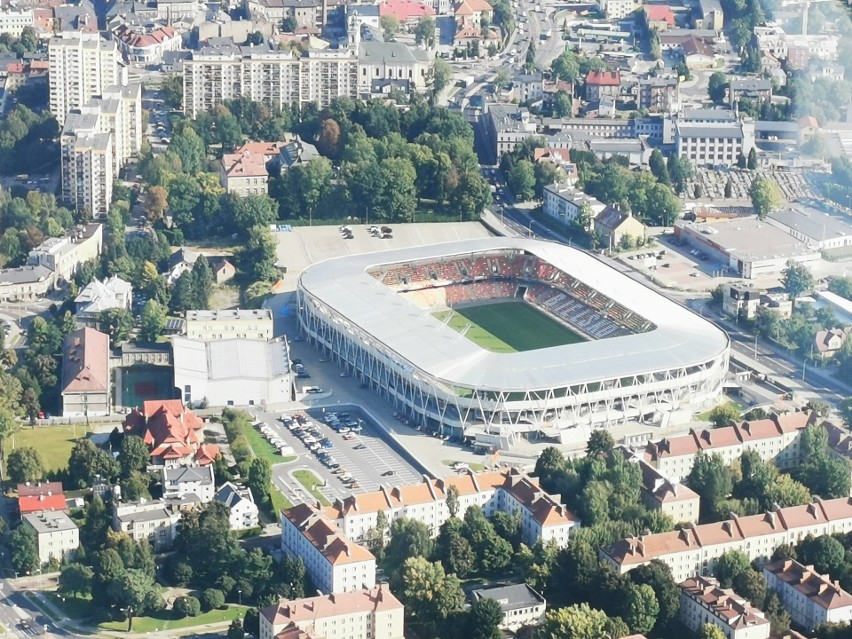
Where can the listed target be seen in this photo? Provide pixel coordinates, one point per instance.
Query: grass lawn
(310, 481)
(53, 443)
(475, 467)
(74, 607)
(705, 416)
(165, 620)
(279, 501)
(508, 327)
(261, 447)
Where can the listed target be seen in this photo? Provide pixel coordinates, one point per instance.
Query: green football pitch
(509, 327)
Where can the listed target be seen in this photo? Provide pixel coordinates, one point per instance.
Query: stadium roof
(680, 338)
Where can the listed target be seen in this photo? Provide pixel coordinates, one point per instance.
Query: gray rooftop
(750, 84)
(24, 274)
(709, 115)
(510, 597)
(813, 223)
(423, 343)
(188, 474)
(229, 494)
(229, 315)
(709, 130)
(47, 522)
(385, 53)
(749, 239)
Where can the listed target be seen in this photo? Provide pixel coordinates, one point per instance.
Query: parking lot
(354, 458)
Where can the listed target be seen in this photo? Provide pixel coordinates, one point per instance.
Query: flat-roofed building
(658, 95)
(14, 21)
(714, 143)
(694, 550)
(56, 533)
(775, 439)
(702, 601)
(521, 605)
(811, 599)
(750, 248)
(335, 563)
(370, 613)
(754, 89)
(812, 226)
(233, 372)
(229, 324)
(86, 383)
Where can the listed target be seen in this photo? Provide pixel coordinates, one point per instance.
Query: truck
(467, 81)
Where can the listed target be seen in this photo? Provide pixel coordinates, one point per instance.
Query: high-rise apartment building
(275, 78)
(82, 66)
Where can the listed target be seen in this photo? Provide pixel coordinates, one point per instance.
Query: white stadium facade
(645, 357)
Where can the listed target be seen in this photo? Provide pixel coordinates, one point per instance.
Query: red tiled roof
(659, 13)
(169, 429)
(85, 364)
(405, 10)
(39, 503)
(470, 7)
(604, 78)
(375, 599)
(244, 164)
(141, 40)
(817, 588)
(325, 536)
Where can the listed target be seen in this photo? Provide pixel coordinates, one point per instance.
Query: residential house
(754, 89)
(156, 521)
(710, 15)
(702, 601)
(229, 324)
(811, 599)
(470, 13)
(694, 550)
(567, 204)
(617, 9)
(179, 481)
(147, 45)
(86, 384)
(602, 83)
(829, 342)
(774, 439)
(102, 295)
(521, 605)
(697, 54)
(334, 563)
(172, 432)
(40, 497)
(57, 535)
(64, 255)
(528, 87)
(741, 300)
(508, 126)
(612, 225)
(244, 173)
(658, 17)
(369, 613)
(296, 151)
(673, 498)
(184, 259)
(243, 512)
(658, 95)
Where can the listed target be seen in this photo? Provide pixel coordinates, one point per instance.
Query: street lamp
(240, 594)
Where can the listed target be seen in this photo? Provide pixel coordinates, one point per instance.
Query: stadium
(495, 337)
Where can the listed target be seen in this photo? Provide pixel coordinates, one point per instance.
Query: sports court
(140, 383)
(509, 327)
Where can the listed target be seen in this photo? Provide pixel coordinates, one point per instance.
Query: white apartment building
(335, 563)
(371, 613)
(617, 9)
(156, 521)
(694, 550)
(13, 21)
(543, 517)
(673, 498)
(242, 511)
(810, 598)
(509, 125)
(276, 78)
(64, 255)
(180, 481)
(229, 324)
(522, 606)
(714, 143)
(98, 139)
(82, 66)
(702, 601)
(564, 203)
(57, 534)
(776, 439)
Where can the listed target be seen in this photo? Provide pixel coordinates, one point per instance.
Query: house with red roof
(469, 13)
(147, 45)
(408, 12)
(41, 497)
(172, 432)
(85, 386)
(602, 83)
(659, 17)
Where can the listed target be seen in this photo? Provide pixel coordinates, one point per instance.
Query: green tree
(76, 580)
(751, 162)
(409, 538)
(453, 500)
(398, 199)
(155, 202)
(235, 630)
(258, 257)
(717, 86)
(289, 24)
(845, 410)
(484, 620)
(765, 195)
(712, 480)
(23, 550)
(390, 26)
(87, 461)
(441, 74)
(575, 622)
(189, 147)
(430, 596)
(93, 533)
(424, 32)
(825, 553)
(729, 188)
(658, 576)
(153, 321)
(117, 323)
(202, 282)
(183, 295)
(212, 599)
(796, 279)
(724, 414)
(751, 585)
(729, 565)
(25, 466)
(657, 164)
(600, 443)
(259, 478)
(566, 67)
(187, 606)
(562, 105)
(522, 180)
(709, 631)
(133, 454)
(640, 608)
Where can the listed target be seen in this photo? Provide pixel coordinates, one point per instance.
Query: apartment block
(371, 613)
(82, 66)
(276, 78)
(673, 498)
(57, 535)
(702, 601)
(335, 563)
(253, 324)
(156, 521)
(658, 95)
(694, 550)
(565, 203)
(65, 255)
(13, 21)
(179, 481)
(543, 517)
(775, 438)
(810, 598)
